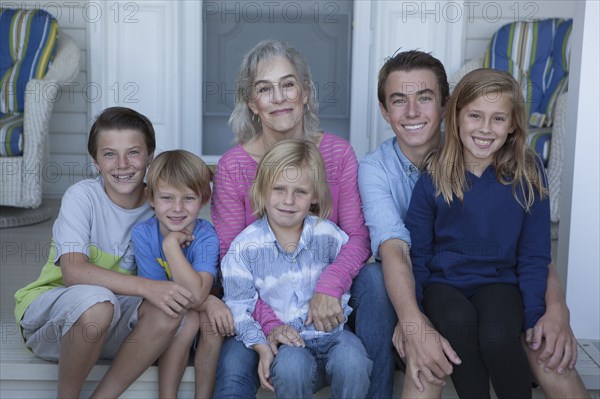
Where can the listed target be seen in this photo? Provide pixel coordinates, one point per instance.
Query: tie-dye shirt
(258, 266)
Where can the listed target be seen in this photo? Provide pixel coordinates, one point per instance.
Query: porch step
(24, 376)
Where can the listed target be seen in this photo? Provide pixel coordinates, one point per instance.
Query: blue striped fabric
(536, 54)
(11, 135)
(28, 43)
(540, 140)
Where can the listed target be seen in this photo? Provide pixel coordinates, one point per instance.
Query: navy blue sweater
(488, 239)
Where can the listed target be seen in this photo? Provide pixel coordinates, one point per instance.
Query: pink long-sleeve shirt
(232, 212)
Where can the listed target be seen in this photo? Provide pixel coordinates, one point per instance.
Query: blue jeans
(338, 360)
(374, 322)
(237, 376)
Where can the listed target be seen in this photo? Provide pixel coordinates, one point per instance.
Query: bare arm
(200, 284)
(172, 298)
(399, 279)
(426, 353)
(560, 349)
(264, 365)
(182, 271)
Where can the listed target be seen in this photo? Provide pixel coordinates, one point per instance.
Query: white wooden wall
(579, 215)
(407, 25)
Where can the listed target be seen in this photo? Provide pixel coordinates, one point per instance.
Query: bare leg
(207, 356)
(554, 385)
(173, 362)
(410, 391)
(149, 339)
(81, 347)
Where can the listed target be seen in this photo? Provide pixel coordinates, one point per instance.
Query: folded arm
(171, 297)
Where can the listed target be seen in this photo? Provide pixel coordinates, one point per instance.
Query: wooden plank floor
(24, 250)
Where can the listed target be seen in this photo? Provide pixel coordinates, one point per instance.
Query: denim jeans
(237, 376)
(338, 360)
(374, 323)
(374, 320)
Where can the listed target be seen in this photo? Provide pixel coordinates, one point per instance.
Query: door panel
(320, 30)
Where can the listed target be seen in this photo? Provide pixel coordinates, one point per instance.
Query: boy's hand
(179, 238)
(553, 333)
(219, 315)
(171, 298)
(325, 312)
(428, 354)
(264, 365)
(284, 335)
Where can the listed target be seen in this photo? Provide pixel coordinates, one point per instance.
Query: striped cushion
(11, 135)
(28, 43)
(539, 140)
(537, 54)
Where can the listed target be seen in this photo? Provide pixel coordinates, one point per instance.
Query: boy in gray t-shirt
(86, 301)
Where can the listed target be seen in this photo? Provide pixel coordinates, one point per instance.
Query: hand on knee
(154, 318)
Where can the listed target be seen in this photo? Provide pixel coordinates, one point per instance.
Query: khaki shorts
(53, 313)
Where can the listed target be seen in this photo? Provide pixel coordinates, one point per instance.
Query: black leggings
(485, 331)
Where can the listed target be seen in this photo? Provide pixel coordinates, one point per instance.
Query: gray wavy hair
(240, 121)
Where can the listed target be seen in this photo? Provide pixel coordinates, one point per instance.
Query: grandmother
(275, 100)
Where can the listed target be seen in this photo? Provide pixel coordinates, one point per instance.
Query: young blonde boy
(279, 259)
(175, 245)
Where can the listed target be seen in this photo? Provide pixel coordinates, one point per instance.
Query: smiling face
(484, 125)
(289, 200)
(121, 160)
(176, 208)
(278, 99)
(413, 108)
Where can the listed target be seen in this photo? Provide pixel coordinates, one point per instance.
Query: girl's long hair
(515, 162)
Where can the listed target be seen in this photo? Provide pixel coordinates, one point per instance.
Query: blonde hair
(241, 121)
(291, 153)
(180, 168)
(515, 162)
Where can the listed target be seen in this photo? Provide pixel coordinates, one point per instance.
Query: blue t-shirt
(202, 253)
(487, 238)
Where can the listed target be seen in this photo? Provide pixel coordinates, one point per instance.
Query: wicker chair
(554, 118)
(22, 176)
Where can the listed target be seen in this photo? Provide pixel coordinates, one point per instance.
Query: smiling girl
(480, 226)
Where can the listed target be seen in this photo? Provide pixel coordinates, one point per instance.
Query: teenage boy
(412, 91)
(86, 304)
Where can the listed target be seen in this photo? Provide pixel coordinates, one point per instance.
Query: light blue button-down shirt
(386, 179)
(256, 266)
